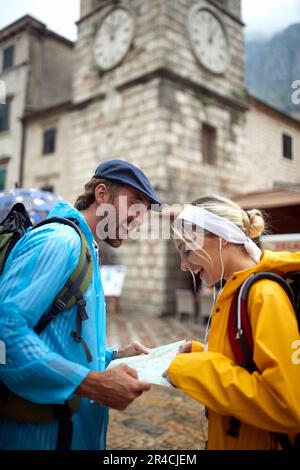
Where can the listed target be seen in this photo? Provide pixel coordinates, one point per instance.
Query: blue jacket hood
(65, 209)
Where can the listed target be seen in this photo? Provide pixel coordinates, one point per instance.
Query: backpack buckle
(239, 333)
(59, 305)
(81, 303)
(77, 338)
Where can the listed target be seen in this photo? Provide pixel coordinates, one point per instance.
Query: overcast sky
(266, 17)
(261, 16)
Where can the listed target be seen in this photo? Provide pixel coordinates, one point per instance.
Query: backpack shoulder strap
(240, 335)
(239, 327)
(73, 290)
(293, 279)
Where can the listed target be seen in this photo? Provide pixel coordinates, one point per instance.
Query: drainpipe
(22, 155)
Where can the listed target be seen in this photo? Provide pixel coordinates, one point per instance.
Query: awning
(282, 207)
(268, 199)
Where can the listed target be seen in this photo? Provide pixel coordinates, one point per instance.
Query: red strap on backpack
(240, 336)
(239, 326)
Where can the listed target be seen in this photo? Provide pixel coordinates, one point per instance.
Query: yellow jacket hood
(277, 262)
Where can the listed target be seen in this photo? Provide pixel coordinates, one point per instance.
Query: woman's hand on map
(165, 374)
(185, 347)
(132, 349)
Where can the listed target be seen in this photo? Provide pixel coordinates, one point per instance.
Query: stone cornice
(226, 12)
(187, 83)
(100, 7)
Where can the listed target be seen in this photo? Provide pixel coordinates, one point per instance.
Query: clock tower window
(208, 144)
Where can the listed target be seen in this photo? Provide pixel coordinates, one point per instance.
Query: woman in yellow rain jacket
(266, 401)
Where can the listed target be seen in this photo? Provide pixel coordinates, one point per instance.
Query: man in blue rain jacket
(52, 367)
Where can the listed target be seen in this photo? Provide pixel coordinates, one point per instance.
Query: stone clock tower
(160, 83)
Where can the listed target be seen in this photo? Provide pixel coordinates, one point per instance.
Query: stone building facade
(150, 110)
(31, 59)
(191, 129)
(44, 168)
(273, 148)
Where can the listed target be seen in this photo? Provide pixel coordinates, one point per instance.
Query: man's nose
(139, 218)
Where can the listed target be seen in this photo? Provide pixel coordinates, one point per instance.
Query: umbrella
(37, 202)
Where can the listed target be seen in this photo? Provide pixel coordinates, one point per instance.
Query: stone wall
(161, 41)
(150, 110)
(16, 80)
(266, 165)
(188, 175)
(40, 77)
(177, 54)
(51, 169)
(128, 126)
(51, 72)
(144, 56)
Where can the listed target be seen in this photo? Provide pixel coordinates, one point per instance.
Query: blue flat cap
(123, 172)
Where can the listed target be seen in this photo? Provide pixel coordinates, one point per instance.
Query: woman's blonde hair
(252, 222)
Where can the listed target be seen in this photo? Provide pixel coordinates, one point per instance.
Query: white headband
(221, 227)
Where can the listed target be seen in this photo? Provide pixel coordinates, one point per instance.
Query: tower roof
(30, 23)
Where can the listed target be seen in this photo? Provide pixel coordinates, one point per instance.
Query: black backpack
(12, 407)
(241, 338)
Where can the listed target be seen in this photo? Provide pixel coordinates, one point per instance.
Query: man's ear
(225, 243)
(101, 194)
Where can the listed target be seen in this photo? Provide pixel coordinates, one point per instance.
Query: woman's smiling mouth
(198, 270)
(201, 272)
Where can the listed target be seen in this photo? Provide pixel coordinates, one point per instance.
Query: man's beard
(120, 231)
(117, 238)
(113, 242)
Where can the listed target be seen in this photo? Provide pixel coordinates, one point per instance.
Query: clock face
(114, 37)
(208, 39)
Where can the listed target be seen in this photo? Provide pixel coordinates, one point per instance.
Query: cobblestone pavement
(162, 418)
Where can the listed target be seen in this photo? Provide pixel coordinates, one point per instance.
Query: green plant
(200, 96)
(100, 71)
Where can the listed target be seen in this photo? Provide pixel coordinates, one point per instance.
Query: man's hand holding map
(150, 367)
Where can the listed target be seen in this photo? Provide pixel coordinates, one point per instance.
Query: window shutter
(8, 57)
(49, 141)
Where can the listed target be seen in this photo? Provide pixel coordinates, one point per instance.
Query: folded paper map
(150, 367)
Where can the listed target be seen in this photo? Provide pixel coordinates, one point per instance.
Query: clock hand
(210, 30)
(213, 35)
(118, 25)
(113, 30)
(110, 30)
